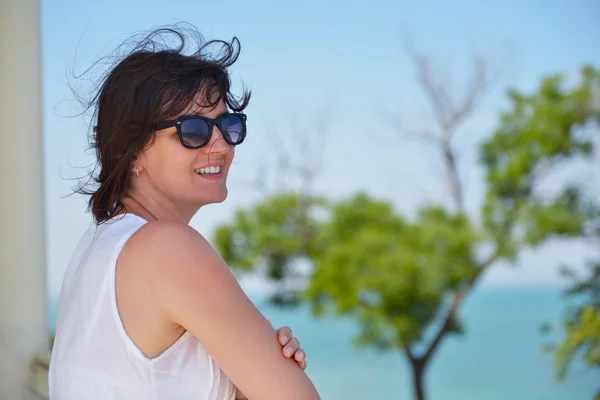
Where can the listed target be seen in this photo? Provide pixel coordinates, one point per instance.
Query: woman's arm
(195, 289)
(290, 347)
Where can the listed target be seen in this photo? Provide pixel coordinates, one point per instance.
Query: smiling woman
(148, 309)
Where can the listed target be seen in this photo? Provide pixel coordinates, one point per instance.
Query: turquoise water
(499, 358)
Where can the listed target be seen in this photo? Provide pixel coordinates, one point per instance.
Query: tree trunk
(418, 371)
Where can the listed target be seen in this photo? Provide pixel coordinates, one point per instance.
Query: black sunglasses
(195, 131)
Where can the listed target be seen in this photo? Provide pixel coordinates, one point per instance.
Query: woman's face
(187, 178)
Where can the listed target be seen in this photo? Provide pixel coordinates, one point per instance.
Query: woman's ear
(139, 164)
(136, 166)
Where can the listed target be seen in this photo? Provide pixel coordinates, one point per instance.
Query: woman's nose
(217, 143)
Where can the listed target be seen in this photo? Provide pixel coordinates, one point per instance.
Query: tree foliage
(546, 131)
(581, 324)
(273, 234)
(543, 132)
(391, 273)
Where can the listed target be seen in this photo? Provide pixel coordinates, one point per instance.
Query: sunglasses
(195, 131)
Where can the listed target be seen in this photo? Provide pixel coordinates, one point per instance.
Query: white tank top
(94, 359)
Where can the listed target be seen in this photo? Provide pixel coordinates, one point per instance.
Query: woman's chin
(214, 197)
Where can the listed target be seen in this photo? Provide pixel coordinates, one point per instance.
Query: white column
(23, 314)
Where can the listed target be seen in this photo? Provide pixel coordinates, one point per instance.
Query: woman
(148, 309)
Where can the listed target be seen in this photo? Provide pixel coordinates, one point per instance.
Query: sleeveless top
(93, 358)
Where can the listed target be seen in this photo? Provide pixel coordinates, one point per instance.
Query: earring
(137, 173)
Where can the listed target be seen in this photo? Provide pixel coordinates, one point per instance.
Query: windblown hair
(154, 81)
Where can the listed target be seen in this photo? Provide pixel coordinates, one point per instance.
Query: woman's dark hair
(154, 81)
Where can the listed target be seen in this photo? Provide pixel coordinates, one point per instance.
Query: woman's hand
(291, 346)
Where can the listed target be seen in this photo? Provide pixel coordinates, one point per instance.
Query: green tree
(558, 127)
(404, 281)
(581, 324)
(395, 277)
(273, 236)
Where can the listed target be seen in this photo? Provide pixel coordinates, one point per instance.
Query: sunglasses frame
(211, 122)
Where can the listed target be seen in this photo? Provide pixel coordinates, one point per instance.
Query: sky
(333, 72)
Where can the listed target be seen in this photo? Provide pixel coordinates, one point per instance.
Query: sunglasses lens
(195, 132)
(233, 128)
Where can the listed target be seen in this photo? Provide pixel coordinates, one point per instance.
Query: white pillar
(23, 299)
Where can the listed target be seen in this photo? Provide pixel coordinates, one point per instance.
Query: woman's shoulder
(168, 244)
(165, 235)
(192, 287)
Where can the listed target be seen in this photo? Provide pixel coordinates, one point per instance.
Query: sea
(499, 357)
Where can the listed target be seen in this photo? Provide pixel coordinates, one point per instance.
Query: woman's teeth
(208, 170)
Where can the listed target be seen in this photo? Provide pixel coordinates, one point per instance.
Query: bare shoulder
(167, 236)
(195, 289)
(172, 253)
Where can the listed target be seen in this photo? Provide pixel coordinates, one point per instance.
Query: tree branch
(457, 299)
(437, 94)
(409, 353)
(477, 89)
(296, 170)
(449, 114)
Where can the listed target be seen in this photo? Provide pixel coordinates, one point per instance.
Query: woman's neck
(151, 209)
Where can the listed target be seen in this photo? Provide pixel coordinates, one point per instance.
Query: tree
(274, 235)
(581, 324)
(394, 276)
(404, 281)
(566, 123)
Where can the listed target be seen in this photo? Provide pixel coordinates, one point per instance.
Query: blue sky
(342, 59)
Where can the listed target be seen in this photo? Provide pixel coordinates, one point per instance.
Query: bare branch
(290, 161)
(422, 134)
(476, 91)
(488, 262)
(258, 183)
(404, 133)
(322, 120)
(300, 135)
(454, 180)
(409, 353)
(282, 156)
(296, 159)
(449, 114)
(311, 143)
(437, 95)
(457, 298)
